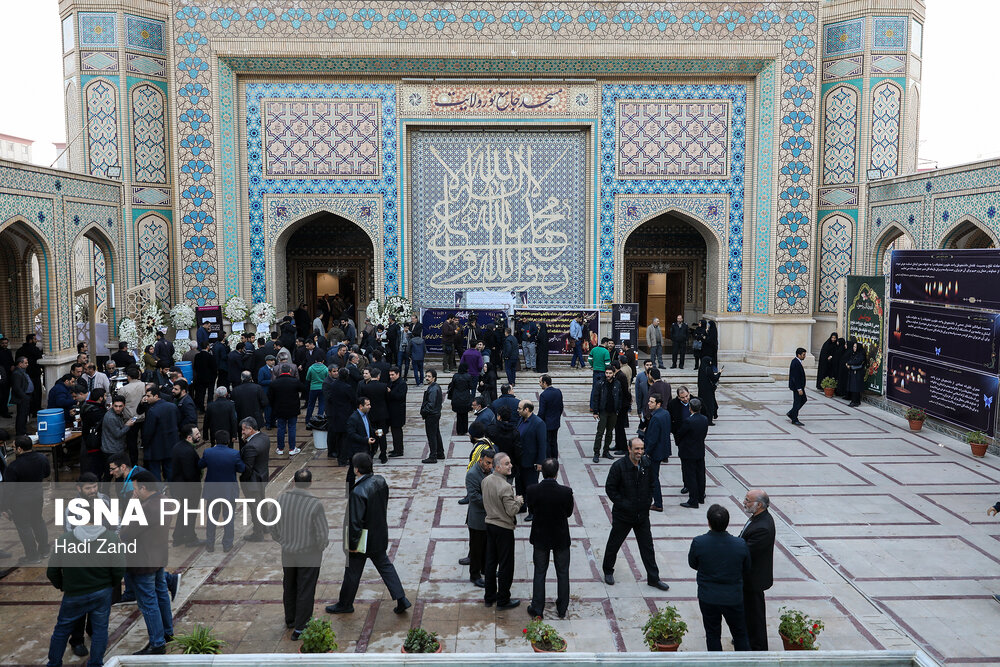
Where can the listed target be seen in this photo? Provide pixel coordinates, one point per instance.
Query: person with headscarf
(708, 380)
(710, 346)
(855, 362)
(839, 370)
(698, 341)
(825, 367)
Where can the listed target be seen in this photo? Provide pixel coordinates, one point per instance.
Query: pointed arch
(887, 106)
(105, 263)
(101, 103)
(969, 232)
(841, 112)
(149, 143)
(894, 237)
(35, 245)
(836, 255)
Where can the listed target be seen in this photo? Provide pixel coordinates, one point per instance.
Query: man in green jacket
(599, 359)
(315, 376)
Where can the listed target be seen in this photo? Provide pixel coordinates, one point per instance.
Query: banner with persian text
(866, 323)
(957, 336)
(432, 318)
(557, 324)
(625, 323)
(969, 278)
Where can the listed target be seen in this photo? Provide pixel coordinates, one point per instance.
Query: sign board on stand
(625, 323)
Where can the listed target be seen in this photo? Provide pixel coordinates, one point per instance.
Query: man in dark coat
(221, 351)
(759, 535)
(220, 415)
(21, 390)
(797, 383)
(392, 334)
(205, 369)
(30, 468)
(396, 399)
(255, 455)
(366, 536)
(630, 489)
(340, 403)
(679, 408)
(359, 435)
(475, 517)
(159, 433)
(283, 395)
(235, 364)
(6, 368)
(377, 392)
(723, 563)
(250, 400)
(533, 448)
(510, 356)
(303, 323)
(553, 505)
(430, 412)
(163, 349)
(678, 340)
(187, 413)
(657, 441)
(605, 403)
(33, 353)
(185, 482)
(123, 358)
(691, 450)
(550, 409)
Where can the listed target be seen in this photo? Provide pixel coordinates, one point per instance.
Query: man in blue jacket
(533, 448)
(61, 396)
(550, 409)
(222, 464)
(159, 433)
(657, 445)
(722, 561)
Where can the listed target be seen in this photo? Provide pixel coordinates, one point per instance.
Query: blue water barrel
(51, 426)
(186, 370)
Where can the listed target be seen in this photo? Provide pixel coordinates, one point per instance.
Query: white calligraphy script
(494, 227)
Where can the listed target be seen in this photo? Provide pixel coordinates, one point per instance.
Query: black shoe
(465, 561)
(530, 517)
(609, 579)
(609, 456)
(80, 650)
(210, 548)
(196, 543)
(534, 613)
(662, 585)
(152, 650)
(509, 604)
(797, 423)
(662, 366)
(168, 638)
(226, 549)
(479, 583)
(488, 603)
(383, 459)
(690, 505)
(309, 427)
(463, 501)
(597, 459)
(684, 490)
(289, 626)
(296, 634)
(673, 366)
(561, 614)
(393, 455)
(430, 459)
(402, 604)
(339, 609)
(29, 560)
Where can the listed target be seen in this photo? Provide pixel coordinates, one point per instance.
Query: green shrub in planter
(201, 641)
(828, 383)
(664, 627)
(419, 640)
(916, 414)
(318, 637)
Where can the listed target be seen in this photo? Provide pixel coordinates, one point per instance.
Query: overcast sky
(958, 121)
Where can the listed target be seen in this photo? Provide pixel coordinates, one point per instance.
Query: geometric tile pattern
(835, 259)
(840, 135)
(888, 64)
(887, 103)
(145, 65)
(672, 139)
(321, 138)
(838, 197)
(149, 152)
(102, 126)
(763, 255)
(100, 275)
(150, 196)
(844, 37)
(144, 34)
(98, 29)
(98, 61)
(889, 33)
(843, 68)
(153, 239)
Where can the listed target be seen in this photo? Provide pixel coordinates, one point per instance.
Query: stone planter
(402, 649)
(916, 424)
(979, 449)
(537, 649)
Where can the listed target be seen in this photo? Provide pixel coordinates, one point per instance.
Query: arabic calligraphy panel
(499, 211)
(470, 99)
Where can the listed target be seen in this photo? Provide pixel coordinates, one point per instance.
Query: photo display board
(866, 323)
(557, 325)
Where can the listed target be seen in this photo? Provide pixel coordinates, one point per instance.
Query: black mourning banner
(961, 396)
(625, 323)
(969, 278)
(212, 315)
(953, 335)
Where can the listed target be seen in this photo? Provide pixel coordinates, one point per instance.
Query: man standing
(255, 454)
(533, 448)
(6, 368)
(759, 535)
(576, 336)
(95, 379)
(550, 409)
(643, 381)
(449, 338)
(30, 468)
(250, 399)
(529, 341)
(553, 504)
(605, 402)
(222, 464)
(430, 411)
(378, 393)
(315, 375)
(392, 334)
(475, 517)
(340, 403)
(658, 445)
(204, 368)
(33, 353)
(185, 482)
(797, 383)
(630, 489)
(473, 359)
(366, 536)
(415, 352)
(164, 349)
(654, 340)
(187, 413)
(303, 537)
(220, 415)
(600, 360)
(159, 433)
(502, 506)
(204, 335)
(510, 356)
(483, 414)
(123, 358)
(22, 388)
(114, 431)
(723, 563)
(679, 341)
(396, 403)
(691, 450)
(283, 395)
(359, 436)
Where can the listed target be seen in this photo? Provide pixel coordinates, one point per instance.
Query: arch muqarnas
(149, 146)
(893, 238)
(836, 254)
(887, 104)
(840, 135)
(153, 241)
(35, 244)
(102, 127)
(968, 232)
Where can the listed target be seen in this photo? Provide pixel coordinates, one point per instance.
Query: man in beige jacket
(501, 506)
(654, 341)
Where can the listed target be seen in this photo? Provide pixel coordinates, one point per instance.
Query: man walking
(475, 517)
(759, 535)
(366, 536)
(679, 340)
(30, 468)
(553, 505)
(430, 411)
(283, 395)
(396, 402)
(255, 455)
(605, 402)
(220, 415)
(533, 447)
(600, 359)
(303, 536)
(502, 506)
(550, 409)
(654, 341)
(658, 445)
(723, 563)
(630, 489)
(576, 336)
(222, 464)
(359, 436)
(797, 383)
(691, 450)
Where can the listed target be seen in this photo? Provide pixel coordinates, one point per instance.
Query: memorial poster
(961, 396)
(969, 278)
(866, 323)
(212, 315)
(625, 323)
(433, 318)
(557, 324)
(950, 335)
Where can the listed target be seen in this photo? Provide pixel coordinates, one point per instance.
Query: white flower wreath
(263, 313)
(182, 317)
(235, 309)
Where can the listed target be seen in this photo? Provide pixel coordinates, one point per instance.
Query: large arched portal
(893, 238)
(666, 270)
(24, 269)
(326, 254)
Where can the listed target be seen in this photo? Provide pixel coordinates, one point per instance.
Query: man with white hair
(220, 415)
(502, 506)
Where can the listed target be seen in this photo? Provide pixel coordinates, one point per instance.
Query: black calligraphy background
(969, 278)
(958, 336)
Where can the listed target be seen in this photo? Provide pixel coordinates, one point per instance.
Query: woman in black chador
(710, 346)
(827, 354)
(839, 369)
(708, 380)
(698, 341)
(855, 362)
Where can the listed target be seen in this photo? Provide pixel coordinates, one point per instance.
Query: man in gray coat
(475, 518)
(255, 455)
(21, 390)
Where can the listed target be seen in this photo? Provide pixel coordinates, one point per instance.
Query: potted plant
(318, 637)
(419, 640)
(798, 632)
(828, 384)
(916, 417)
(664, 630)
(543, 637)
(200, 641)
(979, 442)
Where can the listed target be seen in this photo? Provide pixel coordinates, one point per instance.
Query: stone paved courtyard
(882, 533)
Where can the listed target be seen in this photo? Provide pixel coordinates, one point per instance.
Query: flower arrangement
(152, 321)
(318, 637)
(664, 628)
(798, 630)
(543, 637)
(234, 339)
(181, 317)
(263, 313)
(916, 414)
(181, 347)
(379, 311)
(81, 312)
(235, 309)
(419, 640)
(128, 333)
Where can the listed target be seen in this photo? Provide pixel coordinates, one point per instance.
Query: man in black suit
(723, 563)
(255, 455)
(340, 403)
(678, 340)
(21, 391)
(159, 433)
(185, 482)
(359, 436)
(758, 533)
(205, 369)
(249, 399)
(220, 415)
(532, 437)
(691, 450)
(376, 391)
(797, 383)
(396, 400)
(657, 441)
(630, 488)
(550, 409)
(553, 505)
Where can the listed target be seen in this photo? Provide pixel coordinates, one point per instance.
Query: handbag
(696, 345)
